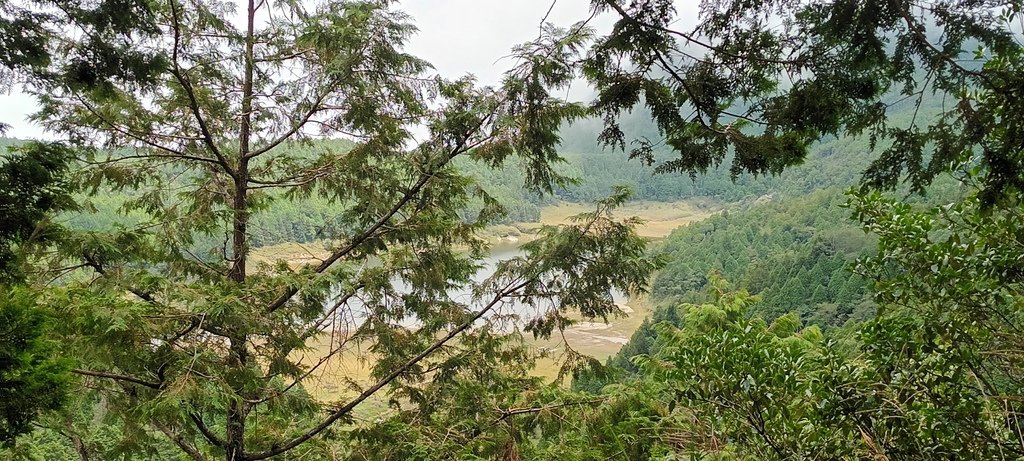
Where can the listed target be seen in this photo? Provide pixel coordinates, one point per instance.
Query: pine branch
(508, 413)
(407, 197)
(98, 267)
(344, 410)
(186, 84)
(138, 137)
(693, 39)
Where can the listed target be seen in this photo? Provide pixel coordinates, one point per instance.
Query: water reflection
(507, 314)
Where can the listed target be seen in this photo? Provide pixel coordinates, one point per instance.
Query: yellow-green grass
(352, 363)
(594, 338)
(660, 218)
(331, 381)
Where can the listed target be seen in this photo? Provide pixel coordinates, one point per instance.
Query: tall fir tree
(191, 344)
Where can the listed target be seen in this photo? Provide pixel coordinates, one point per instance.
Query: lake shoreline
(593, 337)
(659, 220)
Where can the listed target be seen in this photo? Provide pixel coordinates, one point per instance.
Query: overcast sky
(460, 36)
(457, 36)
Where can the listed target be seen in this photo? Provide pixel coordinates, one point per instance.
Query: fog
(458, 37)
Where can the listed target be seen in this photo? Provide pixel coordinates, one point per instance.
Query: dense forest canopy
(781, 328)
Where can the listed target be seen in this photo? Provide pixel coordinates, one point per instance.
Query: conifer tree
(190, 343)
(762, 80)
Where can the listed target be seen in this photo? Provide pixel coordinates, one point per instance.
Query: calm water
(356, 311)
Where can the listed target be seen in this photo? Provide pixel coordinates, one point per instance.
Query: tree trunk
(238, 409)
(238, 357)
(240, 206)
(76, 440)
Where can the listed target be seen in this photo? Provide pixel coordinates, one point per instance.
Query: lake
(357, 312)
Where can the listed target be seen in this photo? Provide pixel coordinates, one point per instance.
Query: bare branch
(117, 377)
(180, 441)
(98, 267)
(210, 436)
(507, 413)
(316, 107)
(284, 57)
(174, 155)
(128, 132)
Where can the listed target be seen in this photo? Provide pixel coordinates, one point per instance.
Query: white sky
(460, 36)
(456, 36)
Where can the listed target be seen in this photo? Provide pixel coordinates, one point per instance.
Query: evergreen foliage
(763, 80)
(32, 44)
(32, 188)
(32, 379)
(211, 143)
(796, 253)
(932, 374)
(180, 341)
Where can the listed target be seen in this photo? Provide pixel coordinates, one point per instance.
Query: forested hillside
(797, 253)
(836, 162)
(597, 169)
